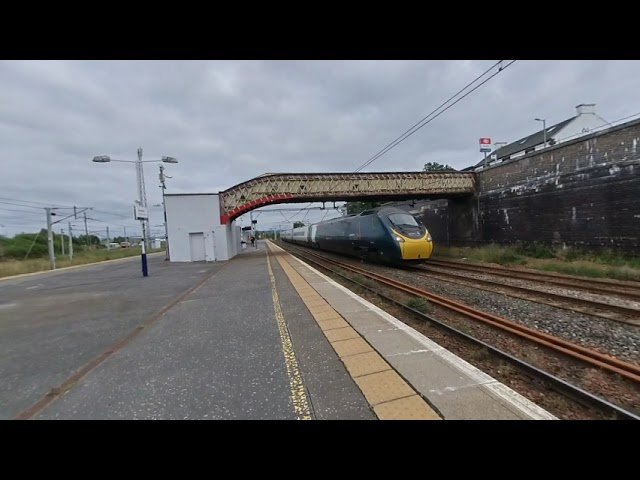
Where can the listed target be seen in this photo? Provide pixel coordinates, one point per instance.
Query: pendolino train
(386, 235)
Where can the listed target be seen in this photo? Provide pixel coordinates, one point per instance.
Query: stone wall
(583, 193)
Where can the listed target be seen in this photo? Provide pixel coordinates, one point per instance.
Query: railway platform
(266, 336)
(401, 373)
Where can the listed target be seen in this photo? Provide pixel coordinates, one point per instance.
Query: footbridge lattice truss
(319, 187)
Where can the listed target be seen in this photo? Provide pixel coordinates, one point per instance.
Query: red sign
(485, 141)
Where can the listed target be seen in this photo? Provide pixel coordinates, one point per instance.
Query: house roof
(528, 141)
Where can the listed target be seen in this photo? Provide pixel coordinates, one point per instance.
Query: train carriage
(300, 235)
(387, 235)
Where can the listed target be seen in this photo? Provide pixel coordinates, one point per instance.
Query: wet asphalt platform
(103, 342)
(263, 336)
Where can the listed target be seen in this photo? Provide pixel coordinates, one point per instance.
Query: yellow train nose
(417, 249)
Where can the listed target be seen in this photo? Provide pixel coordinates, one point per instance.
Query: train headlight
(399, 239)
(429, 239)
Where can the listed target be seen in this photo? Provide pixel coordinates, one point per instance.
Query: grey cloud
(228, 121)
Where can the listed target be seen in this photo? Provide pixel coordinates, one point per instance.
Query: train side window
(352, 228)
(366, 225)
(377, 230)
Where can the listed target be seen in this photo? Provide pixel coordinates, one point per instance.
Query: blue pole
(145, 270)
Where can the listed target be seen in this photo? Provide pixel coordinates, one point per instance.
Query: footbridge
(274, 188)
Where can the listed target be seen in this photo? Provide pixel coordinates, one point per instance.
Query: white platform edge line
(529, 408)
(507, 394)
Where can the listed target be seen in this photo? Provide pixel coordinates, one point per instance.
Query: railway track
(618, 313)
(587, 356)
(630, 290)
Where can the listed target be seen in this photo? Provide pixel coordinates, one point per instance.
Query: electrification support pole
(108, 239)
(62, 240)
(86, 229)
(52, 255)
(70, 242)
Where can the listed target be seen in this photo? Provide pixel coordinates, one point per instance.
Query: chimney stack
(586, 108)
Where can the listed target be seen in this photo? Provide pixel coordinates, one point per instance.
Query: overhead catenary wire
(297, 212)
(23, 203)
(111, 213)
(14, 219)
(35, 203)
(426, 120)
(438, 108)
(20, 211)
(20, 205)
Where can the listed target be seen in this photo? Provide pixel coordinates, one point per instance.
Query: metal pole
(108, 239)
(485, 160)
(544, 133)
(62, 240)
(142, 193)
(52, 256)
(70, 242)
(126, 239)
(145, 268)
(143, 203)
(86, 230)
(255, 241)
(166, 229)
(164, 210)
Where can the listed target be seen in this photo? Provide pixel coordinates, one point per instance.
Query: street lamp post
(544, 130)
(164, 211)
(141, 214)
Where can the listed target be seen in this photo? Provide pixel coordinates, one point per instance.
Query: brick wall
(581, 193)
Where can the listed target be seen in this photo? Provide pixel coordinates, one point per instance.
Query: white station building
(194, 229)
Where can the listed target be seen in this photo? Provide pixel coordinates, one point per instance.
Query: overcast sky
(229, 121)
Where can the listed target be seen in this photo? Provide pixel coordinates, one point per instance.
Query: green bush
(534, 250)
(498, 254)
(420, 304)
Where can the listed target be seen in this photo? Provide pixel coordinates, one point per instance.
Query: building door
(196, 241)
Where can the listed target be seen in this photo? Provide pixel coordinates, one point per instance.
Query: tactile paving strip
(386, 391)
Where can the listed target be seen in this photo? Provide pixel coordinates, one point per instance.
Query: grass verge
(606, 264)
(17, 267)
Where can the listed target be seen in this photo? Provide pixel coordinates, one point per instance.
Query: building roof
(527, 142)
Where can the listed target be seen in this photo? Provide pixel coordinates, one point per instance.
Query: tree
(298, 224)
(437, 167)
(353, 208)
(82, 240)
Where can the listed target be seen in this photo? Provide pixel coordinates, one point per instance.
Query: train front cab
(414, 249)
(414, 239)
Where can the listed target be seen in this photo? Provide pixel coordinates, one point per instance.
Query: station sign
(485, 144)
(140, 212)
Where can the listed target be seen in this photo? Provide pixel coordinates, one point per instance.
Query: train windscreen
(403, 220)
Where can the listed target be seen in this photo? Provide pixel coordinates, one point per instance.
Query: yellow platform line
(298, 391)
(390, 397)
